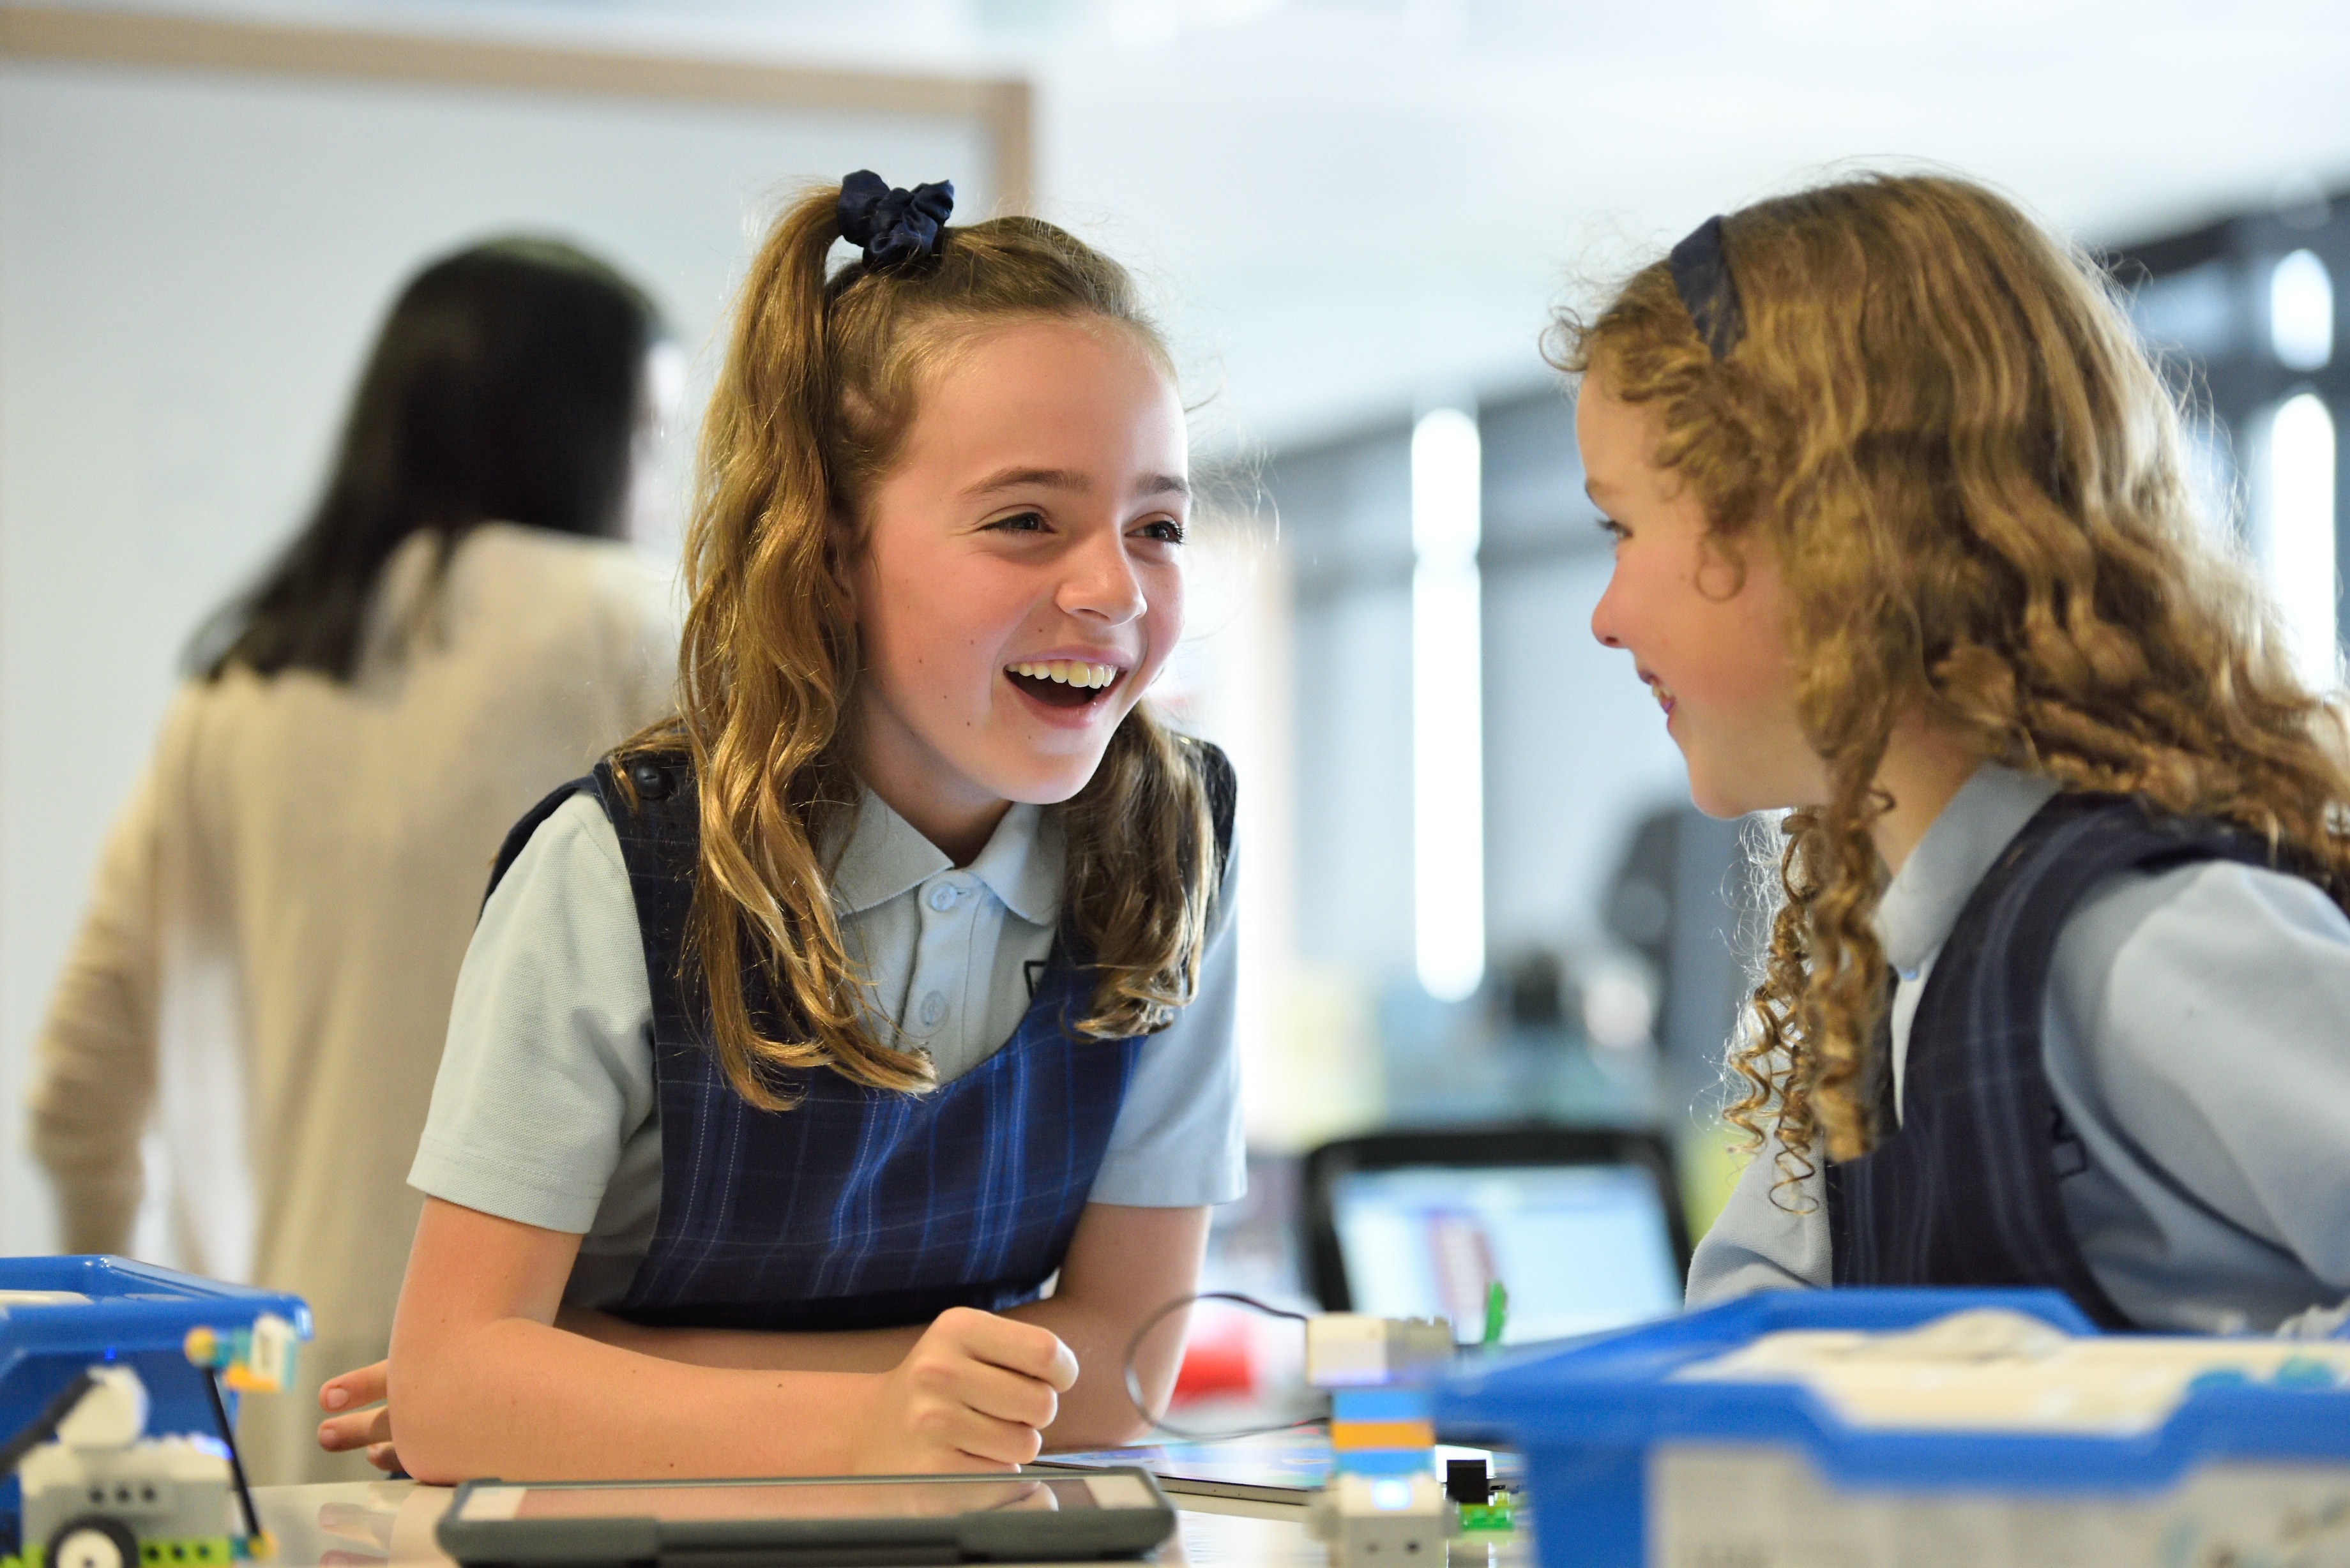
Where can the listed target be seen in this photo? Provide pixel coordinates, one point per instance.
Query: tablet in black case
(816, 1520)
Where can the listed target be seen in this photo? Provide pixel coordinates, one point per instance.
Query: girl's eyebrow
(1022, 478)
(1069, 479)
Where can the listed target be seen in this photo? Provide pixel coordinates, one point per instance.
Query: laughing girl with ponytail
(802, 1044)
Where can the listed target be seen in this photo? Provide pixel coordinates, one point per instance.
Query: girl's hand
(975, 1393)
(369, 1385)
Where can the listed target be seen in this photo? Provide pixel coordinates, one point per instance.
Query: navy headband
(894, 226)
(1702, 279)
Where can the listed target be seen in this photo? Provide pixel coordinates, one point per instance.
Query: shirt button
(942, 898)
(934, 1007)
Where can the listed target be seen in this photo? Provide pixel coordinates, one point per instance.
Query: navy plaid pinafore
(1963, 1190)
(857, 1208)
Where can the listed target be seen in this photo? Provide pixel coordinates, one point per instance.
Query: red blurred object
(1219, 1361)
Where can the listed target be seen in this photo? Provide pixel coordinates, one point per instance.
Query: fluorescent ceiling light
(2299, 543)
(2300, 312)
(1448, 740)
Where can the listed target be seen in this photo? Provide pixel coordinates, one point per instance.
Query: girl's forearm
(1096, 1414)
(517, 1397)
(858, 1350)
(1123, 1265)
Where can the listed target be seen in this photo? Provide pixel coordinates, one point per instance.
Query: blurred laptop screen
(1579, 1248)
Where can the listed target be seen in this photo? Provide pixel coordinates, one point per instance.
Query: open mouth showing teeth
(1064, 682)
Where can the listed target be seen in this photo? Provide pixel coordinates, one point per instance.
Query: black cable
(235, 1465)
(1159, 1423)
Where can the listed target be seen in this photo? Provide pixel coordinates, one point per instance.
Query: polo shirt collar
(1021, 863)
(885, 856)
(1922, 902)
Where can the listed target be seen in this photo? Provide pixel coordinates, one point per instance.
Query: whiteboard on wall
(194, 259)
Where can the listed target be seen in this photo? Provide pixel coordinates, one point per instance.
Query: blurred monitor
(1581, 1228)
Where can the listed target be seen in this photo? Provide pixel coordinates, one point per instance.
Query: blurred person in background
(264, 974)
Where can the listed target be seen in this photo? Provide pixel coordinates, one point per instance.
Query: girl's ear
(1721, 566)
(842, 546)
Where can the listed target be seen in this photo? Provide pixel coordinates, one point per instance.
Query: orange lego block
(1382, 1435)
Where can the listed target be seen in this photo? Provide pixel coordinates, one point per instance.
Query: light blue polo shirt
(544, 1111)
(2196, 1038)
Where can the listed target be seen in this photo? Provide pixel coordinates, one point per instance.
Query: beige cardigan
(264, 972)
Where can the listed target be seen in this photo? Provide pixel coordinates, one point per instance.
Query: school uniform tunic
(2195, 1043)
(547, 1109)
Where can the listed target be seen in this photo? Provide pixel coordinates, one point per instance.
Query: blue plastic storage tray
(137, 1314)
(1586, 1415)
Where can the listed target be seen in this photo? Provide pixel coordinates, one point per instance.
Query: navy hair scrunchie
(894, 226)
(1701, 278)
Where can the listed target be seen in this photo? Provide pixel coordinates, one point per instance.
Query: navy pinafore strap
(1964, 1190)
(857, 1206)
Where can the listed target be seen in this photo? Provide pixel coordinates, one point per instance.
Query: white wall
(191, 268)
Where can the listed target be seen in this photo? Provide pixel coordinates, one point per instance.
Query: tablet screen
(929, 1496)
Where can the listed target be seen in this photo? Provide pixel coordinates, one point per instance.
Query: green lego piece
(1497, 1313)
(1488, 1516)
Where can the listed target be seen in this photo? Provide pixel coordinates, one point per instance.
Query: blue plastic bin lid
(1615, 1392)
(131, 1307)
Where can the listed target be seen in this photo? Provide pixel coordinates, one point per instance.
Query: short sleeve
(1179, 1141)
(548, 1066)
(1768, 1237)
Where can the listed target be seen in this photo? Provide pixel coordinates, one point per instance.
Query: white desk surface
(362, 1524)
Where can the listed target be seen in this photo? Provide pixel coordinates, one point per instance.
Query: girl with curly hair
(799, 1047)
(2058, 993)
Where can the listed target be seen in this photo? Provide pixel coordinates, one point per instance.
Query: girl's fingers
(385, 1458)
(1022, 1347)
(359, 1427)
(1004, 1395)
(996, 1444)
(362, 1386)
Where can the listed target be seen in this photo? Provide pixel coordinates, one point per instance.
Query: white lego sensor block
(1369, 1522)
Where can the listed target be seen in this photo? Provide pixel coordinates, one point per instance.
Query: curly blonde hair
(824, 368)
(1944, 426)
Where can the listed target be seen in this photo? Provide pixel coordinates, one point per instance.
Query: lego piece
(1497, 1313)
(95, 1493)
(111, 1414)
(1400, 1404)
(1352, 1350)
(1372, 1521)
(255, 1360)
(1484, 1506)
(1382, 1434)
(1492, 1517)
(1380, 1461)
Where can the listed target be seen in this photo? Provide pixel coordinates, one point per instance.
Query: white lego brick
(1354, 1350)
(111, 1415)
(272, 1360)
